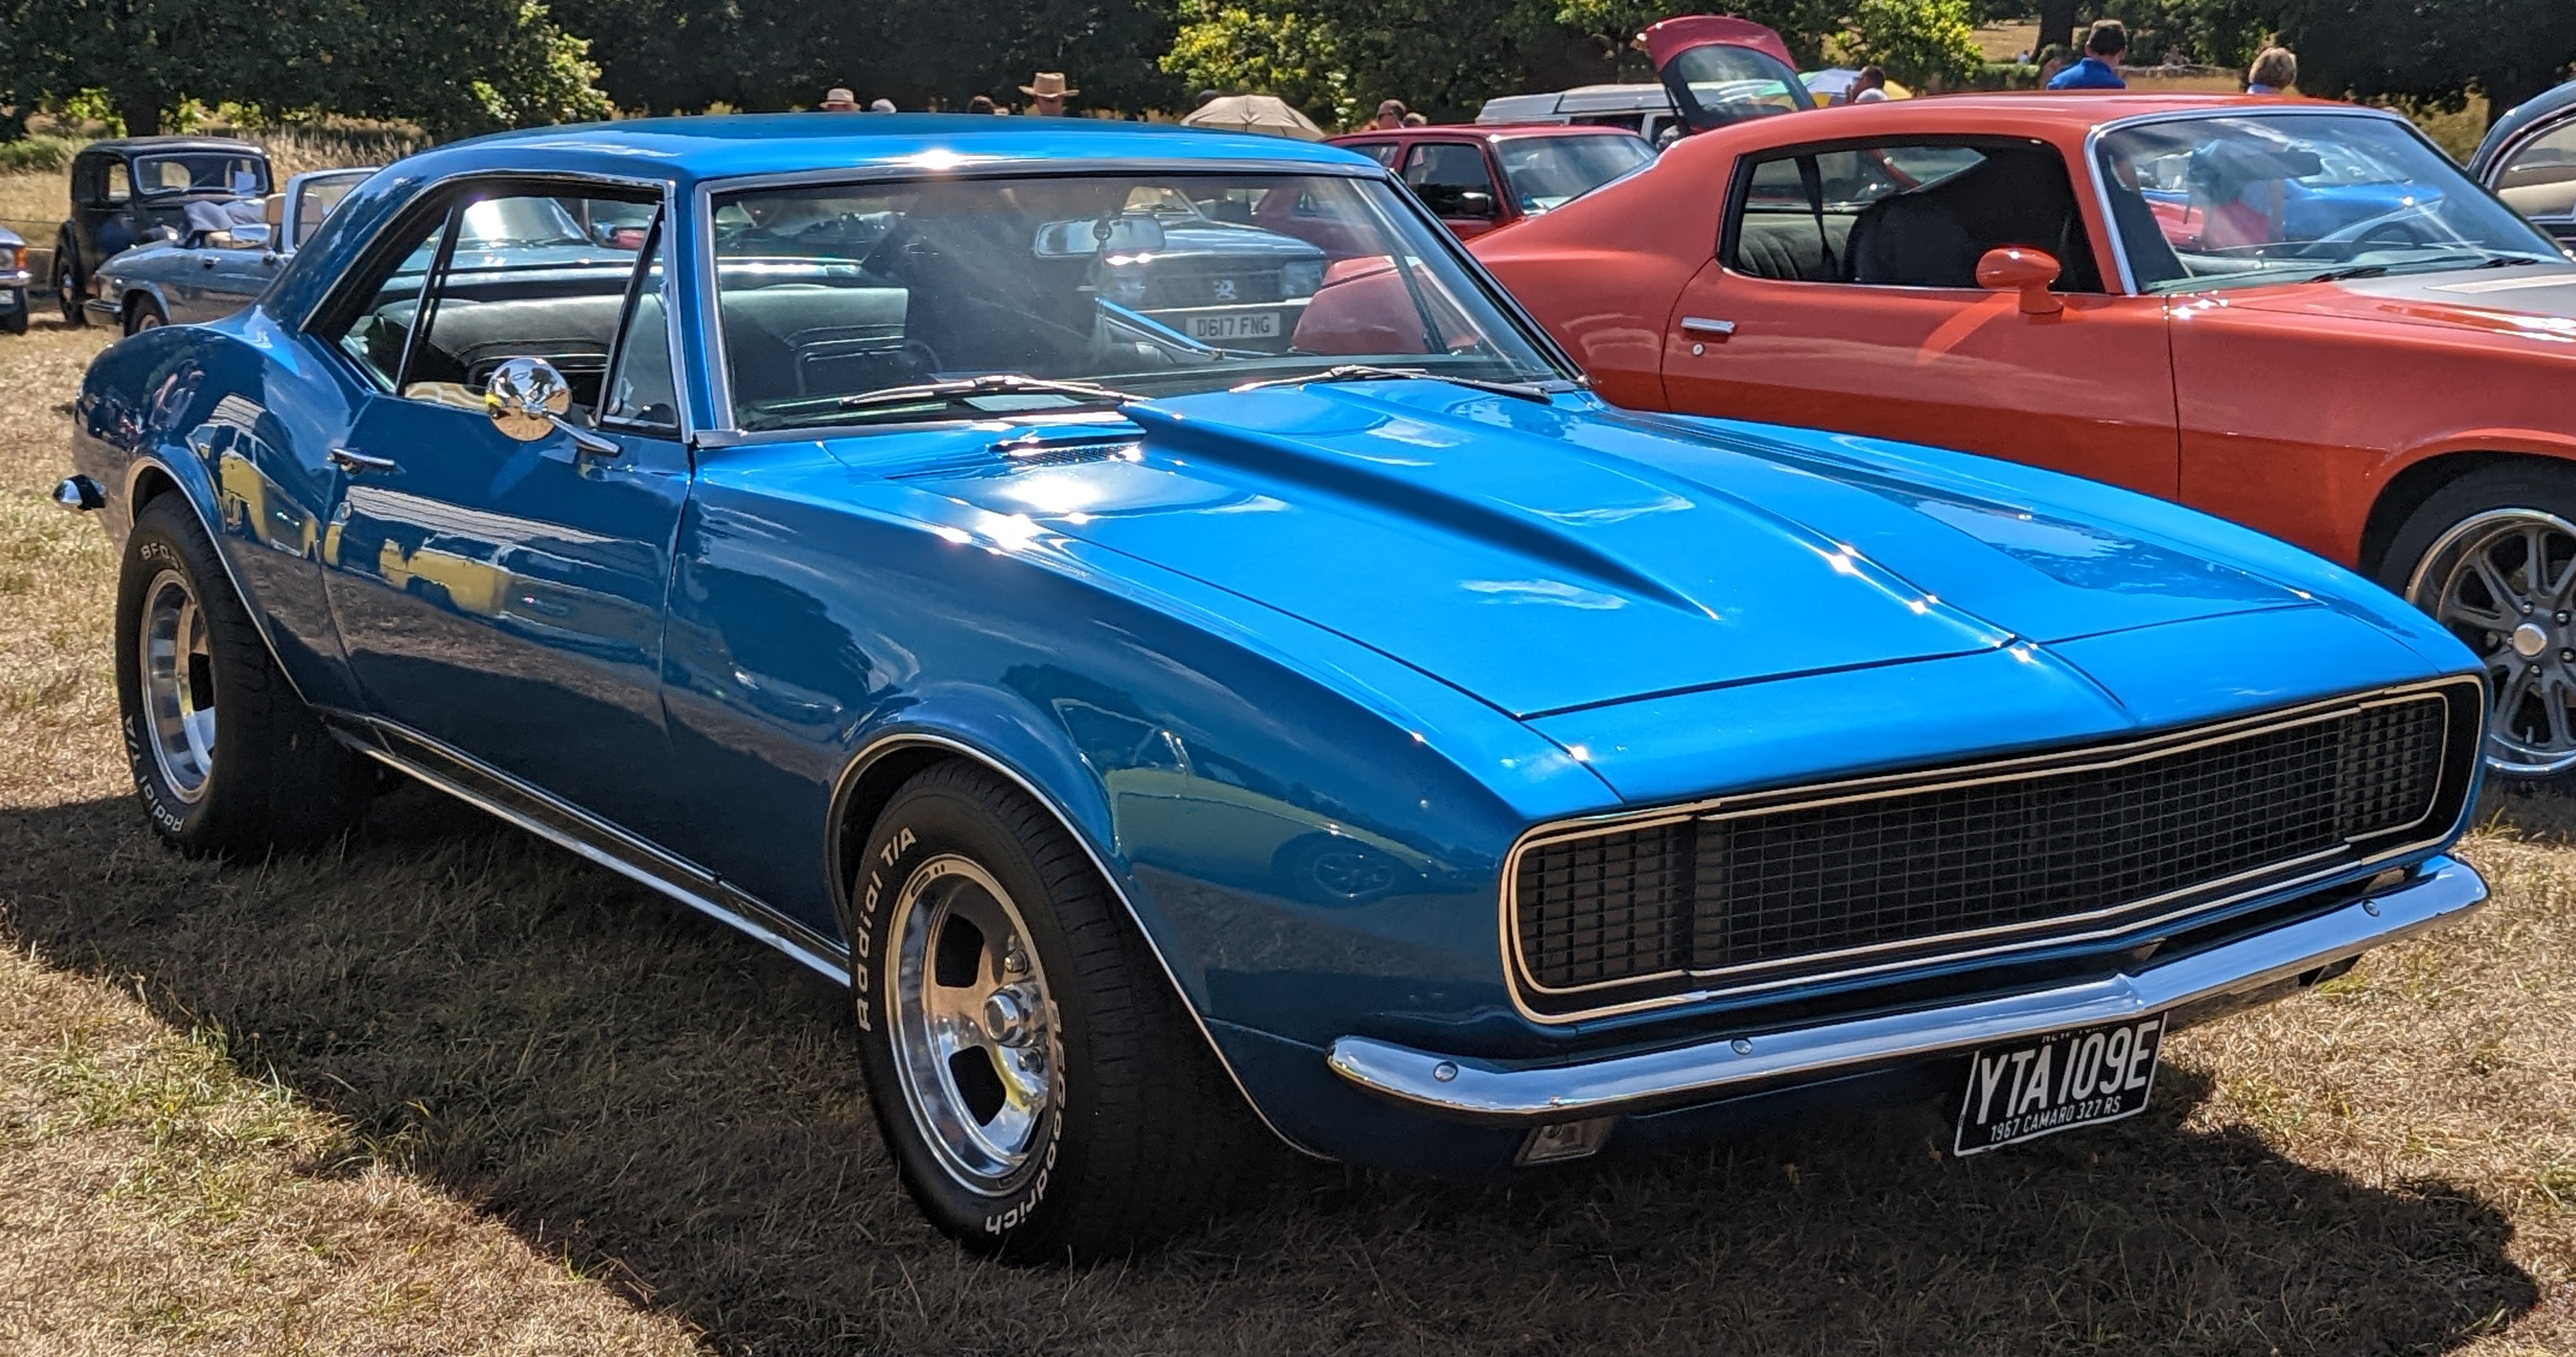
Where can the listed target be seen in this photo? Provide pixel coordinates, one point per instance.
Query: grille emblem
(1225, 289)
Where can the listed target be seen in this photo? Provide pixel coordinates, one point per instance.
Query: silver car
(221, 265)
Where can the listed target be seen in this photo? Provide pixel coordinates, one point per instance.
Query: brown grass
(448, 1089)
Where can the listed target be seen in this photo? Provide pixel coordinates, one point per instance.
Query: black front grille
(1989, 852)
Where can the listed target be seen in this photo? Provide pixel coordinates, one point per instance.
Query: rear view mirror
(1080, 238)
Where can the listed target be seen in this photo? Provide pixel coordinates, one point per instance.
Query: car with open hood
(1366, 734)
(2298, 315)
(129, 191)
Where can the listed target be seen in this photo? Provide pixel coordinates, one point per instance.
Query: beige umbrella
(1253, 113)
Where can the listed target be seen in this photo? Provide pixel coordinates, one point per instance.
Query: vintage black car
(127, 190)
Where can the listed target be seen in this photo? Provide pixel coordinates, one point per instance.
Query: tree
(1264, 48)
(2508, 50)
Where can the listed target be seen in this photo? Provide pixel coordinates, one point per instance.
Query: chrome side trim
(1485, 1091)
(2041, 934)
(883, 745)
(2092, 166)
(458, 774)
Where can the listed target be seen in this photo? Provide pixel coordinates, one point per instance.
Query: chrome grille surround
(1642, 844)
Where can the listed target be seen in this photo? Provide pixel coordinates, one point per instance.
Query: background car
(1375, 736)
(2529, 159)
(201, 274)
(2300, 316)
(1475, 179)
(129, 190)
(1710, 70)
(14, 279)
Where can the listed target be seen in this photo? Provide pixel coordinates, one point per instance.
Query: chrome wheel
(975, 1031)
(177, 659)
(2501, 581)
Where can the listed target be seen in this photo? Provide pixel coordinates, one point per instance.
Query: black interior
(1930, 236)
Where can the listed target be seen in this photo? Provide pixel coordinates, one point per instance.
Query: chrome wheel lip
(175, 654)
(2429, 588)
(931, 1026)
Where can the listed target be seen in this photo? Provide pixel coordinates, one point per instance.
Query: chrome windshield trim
(1491, 1092)
(2266, 880)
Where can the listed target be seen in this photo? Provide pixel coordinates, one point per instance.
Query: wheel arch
(2427, 470)
(889, 760)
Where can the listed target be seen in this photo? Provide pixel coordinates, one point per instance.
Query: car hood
(1226, 240)
(1550, 558)
(2537, 301)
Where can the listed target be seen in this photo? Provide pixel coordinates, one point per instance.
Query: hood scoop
(1029, 450)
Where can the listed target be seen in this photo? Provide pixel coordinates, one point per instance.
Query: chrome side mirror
(525, 397)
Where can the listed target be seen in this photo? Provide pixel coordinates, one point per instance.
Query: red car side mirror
(2019, 268)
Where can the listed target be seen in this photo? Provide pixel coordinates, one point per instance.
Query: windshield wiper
(991, 384)
(2492, 261)
(1370, 372)
(2356, 271)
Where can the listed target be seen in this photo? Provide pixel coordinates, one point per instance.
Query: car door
(2535, 174)
(1844, 297)
(502, 599)
(1456, 182)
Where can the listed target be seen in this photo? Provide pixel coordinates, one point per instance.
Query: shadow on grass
(675, 1108)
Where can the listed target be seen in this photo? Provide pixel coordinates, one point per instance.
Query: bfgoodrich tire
(226, 758)
(1043, 1092)
(2492, 556)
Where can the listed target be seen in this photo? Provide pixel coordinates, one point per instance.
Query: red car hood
(1672, 37)
(2537, 302)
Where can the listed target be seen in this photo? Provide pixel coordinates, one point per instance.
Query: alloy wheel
(2504, 582)
(176, 654)
(975, 1031)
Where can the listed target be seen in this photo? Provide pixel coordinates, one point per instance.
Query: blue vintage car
(219, 263)
(1338, 720)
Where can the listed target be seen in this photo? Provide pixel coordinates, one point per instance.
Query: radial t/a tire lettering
(1043, 1093)
(226, 759)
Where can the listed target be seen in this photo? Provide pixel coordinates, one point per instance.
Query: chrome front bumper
(1477, 1090)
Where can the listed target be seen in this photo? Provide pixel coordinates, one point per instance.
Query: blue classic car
(1357, 728)
(220, 262)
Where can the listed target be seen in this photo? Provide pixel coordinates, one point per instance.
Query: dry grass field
(446, 1089)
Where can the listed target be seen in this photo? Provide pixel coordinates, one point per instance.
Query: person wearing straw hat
(1047, 95)
(840, 100)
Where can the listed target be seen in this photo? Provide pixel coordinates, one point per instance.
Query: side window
(497, 276)
(1383, 152)
(1451, 179)
(2539, 181)
(640, 390)
(119, 183)
(1907, 215)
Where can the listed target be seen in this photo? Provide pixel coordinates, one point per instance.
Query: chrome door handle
(1702, 325)
(359, 463)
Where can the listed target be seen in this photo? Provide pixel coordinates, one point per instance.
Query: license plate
(2080, 1078)
(1246, 325)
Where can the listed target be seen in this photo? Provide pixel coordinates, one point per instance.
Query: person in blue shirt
(2100, 68)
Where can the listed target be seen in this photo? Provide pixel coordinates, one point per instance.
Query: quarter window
(1907, 214)
(2539, 181)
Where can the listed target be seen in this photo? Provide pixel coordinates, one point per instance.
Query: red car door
(1845, 297)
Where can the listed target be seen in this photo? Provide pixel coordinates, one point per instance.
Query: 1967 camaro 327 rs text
(1337, 725)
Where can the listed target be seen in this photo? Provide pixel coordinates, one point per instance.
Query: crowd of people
(2274, 71)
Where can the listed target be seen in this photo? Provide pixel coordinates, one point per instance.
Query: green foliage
(2507, 50)
(2001, 75)
(1920, 42)
(2201, 32)
(37, 155)
(1264, 48)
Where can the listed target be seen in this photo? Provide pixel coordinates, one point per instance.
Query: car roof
(135, 145)
(1488, 131)
(735, 146)
(2069, 112)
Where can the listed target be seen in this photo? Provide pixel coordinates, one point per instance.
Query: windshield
(2249, 199)
(1547, 172)
(1156, 284)
(200, 172)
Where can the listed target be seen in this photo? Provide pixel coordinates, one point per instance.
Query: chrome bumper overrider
(1478, 1090)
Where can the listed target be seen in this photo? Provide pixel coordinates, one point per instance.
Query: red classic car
(1478, 178)
(2299, 315)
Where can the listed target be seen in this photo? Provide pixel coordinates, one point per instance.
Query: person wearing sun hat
(1048, 93)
